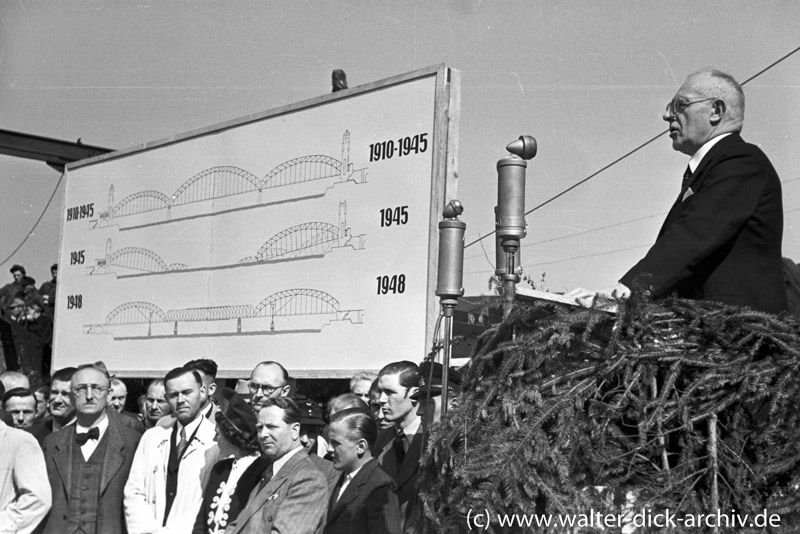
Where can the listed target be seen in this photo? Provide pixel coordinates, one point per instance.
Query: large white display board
(305, 235)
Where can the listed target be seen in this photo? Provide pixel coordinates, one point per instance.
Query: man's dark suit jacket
(722, 238)
(406, 474)
(58, 450)
(369, 504)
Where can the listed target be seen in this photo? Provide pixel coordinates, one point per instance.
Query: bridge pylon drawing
(298, 310)
(198, 195)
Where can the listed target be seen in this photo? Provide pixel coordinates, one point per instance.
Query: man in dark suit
(722, 238)
(292, 496)
(88, 462)
(62, 412)
(365, 497)
(398, 448)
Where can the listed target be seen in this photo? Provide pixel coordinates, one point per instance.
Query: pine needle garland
(684, 405)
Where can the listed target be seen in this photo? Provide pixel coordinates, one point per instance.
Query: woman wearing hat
(233, 478)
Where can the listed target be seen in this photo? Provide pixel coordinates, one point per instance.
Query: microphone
(451, 254)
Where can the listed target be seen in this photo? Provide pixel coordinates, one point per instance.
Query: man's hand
(588, 298)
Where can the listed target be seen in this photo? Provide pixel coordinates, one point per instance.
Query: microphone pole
(510, 212)
(450, 279)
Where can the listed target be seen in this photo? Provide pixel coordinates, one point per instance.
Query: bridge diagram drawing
(290, 311)
(227, 188)
(301, 241)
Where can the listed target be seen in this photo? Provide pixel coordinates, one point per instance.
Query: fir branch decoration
(690, 406)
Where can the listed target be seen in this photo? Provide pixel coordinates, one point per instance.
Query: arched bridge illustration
(221, 182)
(306, 240)
(141, 320)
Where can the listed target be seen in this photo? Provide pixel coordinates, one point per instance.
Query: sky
(588, 79)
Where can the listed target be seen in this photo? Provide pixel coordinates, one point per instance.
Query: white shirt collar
(411, 429)
(190, 427)
(280, 462)
(700, 154)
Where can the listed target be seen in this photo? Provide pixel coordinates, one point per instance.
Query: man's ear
(411, 391)
(719, 108)
(212, 387)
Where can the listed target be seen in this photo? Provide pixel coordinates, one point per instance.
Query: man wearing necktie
(365, 497)
(292, 497)
(721, 240)
(88, 462)
(165, 487)
(398, 448)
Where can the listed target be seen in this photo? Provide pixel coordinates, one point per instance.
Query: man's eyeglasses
(676, 107)
(84, 390)
(266, 389)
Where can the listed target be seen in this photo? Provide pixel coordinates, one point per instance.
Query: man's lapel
(63, 455)
(410, 463)
(260, 497)
(115, 453)
(353, 490)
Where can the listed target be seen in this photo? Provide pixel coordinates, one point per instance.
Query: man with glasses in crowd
(268, 380)
(88, 462)
(721, 240)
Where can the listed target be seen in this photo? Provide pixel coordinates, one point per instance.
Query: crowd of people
(206, 459)
(26, 322)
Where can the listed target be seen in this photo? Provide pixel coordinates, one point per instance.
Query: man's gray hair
(715, 83)
(358, 377)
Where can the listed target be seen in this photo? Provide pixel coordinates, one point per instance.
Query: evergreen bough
(690, 406)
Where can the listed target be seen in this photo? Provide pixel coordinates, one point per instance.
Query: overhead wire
(581, 182)
(33, 229)
(564, 192)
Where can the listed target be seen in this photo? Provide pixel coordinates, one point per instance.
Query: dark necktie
(83, 437)
(182, 444)
(687, 173)
(399, 447)
(265, 477)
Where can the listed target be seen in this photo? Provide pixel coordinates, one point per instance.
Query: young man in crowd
(399, 447)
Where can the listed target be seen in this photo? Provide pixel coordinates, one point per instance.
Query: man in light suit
(292, 497)
(208, 407)
(721, 240)
(398, 448)
(24, 491)
(171, 465)
(88, 462)
(365, 497)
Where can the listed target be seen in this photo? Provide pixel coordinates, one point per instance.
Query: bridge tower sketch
(130, 317)
(220, 182)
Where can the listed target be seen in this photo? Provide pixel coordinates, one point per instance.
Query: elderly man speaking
(721, 240)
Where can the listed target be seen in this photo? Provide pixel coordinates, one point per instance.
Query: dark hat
(238, 413)
(16, 267)
(435, 385)
(310, 412)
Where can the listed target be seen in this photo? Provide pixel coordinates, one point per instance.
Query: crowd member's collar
(411, 429)
(280, 462)
(191, 427)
